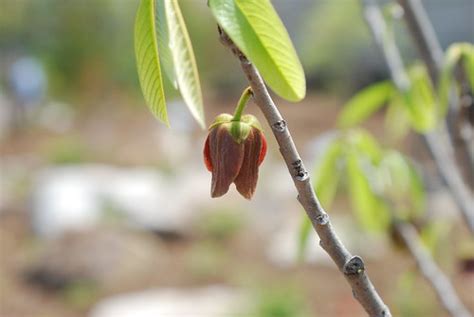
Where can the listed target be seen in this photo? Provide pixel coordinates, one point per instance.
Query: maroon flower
(233, 153)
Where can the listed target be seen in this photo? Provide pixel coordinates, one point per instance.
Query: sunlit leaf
(421, 100)
(397, 122)
(364, 142)
(303, 237)
(365, 103)
(369, 209)
(162, 35)
(452, 57)
(148, 62)
(434, 234)
(257, 30)
(402, 186)
(185, 66)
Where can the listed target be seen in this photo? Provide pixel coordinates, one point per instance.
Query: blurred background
(104, 212)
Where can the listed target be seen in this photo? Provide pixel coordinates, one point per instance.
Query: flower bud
(233, 153)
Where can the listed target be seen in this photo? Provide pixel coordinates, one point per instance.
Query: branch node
(279, 126)
(300, 173)
(354, 266)
(323, 219)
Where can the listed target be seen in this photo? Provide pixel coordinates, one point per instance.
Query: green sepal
(252, 121)
(238, 129)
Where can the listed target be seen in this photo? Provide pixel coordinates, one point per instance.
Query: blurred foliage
(88, 45)
(67, 150)
(280, 301)
(458, 54)
(78, 45)
(206, 260)
(81, 294)
(338, 27)
(221, 225)
(382, 184)
(410, 299)
(418, 107)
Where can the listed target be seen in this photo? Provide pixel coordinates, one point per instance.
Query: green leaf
(402, 186)
(364, 103)
(452, 57)
(397, 122)
(363, 142)
(255, 27)
(370, 210)
(421, 100)
(468, 59)
(184, 62)
(327, 174)
(148, 62)
(163, 37)
(303, 237)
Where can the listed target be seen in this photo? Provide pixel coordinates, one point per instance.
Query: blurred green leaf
(421, 100)
(303, 237)
(452, 57)
(163, 37)
(397, 122)
(364, 142)
(402, 186)
(468, 59)
(185, 66)
(433, 234)
(370, 210)
(148, 62)
(257, 30)
(365, 103)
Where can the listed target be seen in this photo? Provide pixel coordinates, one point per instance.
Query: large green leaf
(163, 37)
(257, 30)
(148, 62)
(184, 62)
(364, 103)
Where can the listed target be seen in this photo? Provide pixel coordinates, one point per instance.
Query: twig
(424, 36)
(432, 273)
(437, 141)
(351, 266)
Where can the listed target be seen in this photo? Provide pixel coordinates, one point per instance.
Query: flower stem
(244, 98)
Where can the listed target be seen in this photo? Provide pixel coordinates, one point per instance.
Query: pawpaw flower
(233, 153)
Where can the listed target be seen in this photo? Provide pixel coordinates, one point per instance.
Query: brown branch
(438, 280)
(438, 140)
(351, 266)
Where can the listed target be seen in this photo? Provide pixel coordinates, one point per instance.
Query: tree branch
(437, 140)
(351, 266)
(439, 281)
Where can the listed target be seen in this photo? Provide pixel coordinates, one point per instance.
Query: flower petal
(207, 155)
(246, 181)
(226, 157)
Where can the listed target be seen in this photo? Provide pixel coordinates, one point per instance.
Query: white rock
(212, 301)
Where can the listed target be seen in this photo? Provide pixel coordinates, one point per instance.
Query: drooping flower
(233, 153)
